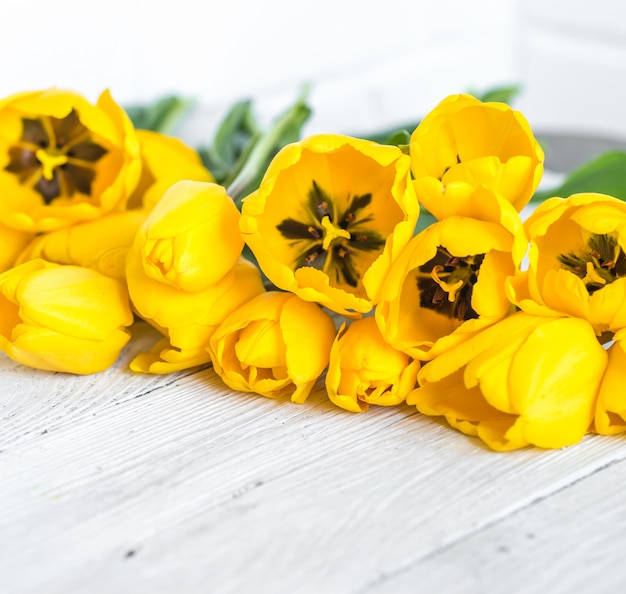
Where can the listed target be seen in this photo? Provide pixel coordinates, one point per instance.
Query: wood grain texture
(127, 483)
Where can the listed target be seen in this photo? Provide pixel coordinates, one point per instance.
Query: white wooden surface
(127, 483)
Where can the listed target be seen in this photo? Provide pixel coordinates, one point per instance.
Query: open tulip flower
(63, 159)
(329, 217)
(450, 281)
(577, 261)
(62, 318)
(364, 369)
(277, 345)
(165, 160)
(513, 383)
(463, 144)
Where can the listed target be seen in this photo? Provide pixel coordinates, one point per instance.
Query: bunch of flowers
(306, 262)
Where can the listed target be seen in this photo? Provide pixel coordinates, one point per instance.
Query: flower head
(190, 239)
(330, 216)
(185, 273)
(524, 380)
(364, 369)
(464, 144)
(63, 159)
(165, 160)
(62, 318)
(577, 260)
(449, 282)
(276, 345)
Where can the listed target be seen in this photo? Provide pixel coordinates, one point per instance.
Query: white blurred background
(372, 65)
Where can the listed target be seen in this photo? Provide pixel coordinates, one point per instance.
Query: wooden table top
(119, 482)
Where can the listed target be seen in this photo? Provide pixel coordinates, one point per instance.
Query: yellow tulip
(63, 159)
(330, 216)
(165, 160)
(187, 320)
(101, 244)
(185, 273)
(610, 415)
(62, 318)
(524, 380)
(450, 282)
(190, 240)
(464, 144)
(577, 261)
(364, 369)
(277, 345)
(12, 242)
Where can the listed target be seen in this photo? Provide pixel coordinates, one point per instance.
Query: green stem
(265, 148)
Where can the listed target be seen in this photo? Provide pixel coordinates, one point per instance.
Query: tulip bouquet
(287, 261)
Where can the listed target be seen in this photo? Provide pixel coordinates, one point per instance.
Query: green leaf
(235, 132)
(163, 115)
(233, 139)
(394, 136)
(605, 174)
(287, 128)
(502, 94)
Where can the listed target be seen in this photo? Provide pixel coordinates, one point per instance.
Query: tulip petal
(308, 333)
(610, 414)
(557, 406)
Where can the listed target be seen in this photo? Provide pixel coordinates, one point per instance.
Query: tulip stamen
(322, 209)
(446, 283)
(592, 277)
(332, 233)
(50, 160)
(600, 262)
(342, 252)
(312, 255)
(314, 232)
(450, 288)
(55, 156)
(330, 246)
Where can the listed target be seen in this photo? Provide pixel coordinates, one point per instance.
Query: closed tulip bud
(190, 240)
(464, 144)
(185, 273)
(277, 345)
(364, 369)
(62, 318)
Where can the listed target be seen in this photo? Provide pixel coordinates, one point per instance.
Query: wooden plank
(572, 541)
(135, 483)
